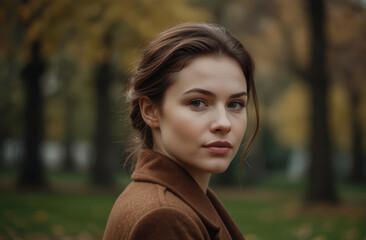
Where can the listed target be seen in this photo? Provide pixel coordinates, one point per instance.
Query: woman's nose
(220, 122)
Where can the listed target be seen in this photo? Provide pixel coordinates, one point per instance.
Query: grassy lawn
(271, 209)
(279, 215)
(50, 215)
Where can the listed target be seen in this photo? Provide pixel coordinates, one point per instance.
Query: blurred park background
(63, 133)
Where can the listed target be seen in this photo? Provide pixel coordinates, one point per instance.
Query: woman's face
(203, 118)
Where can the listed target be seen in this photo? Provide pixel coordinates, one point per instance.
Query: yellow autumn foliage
(290, 118)
(362, 112)
(79, 28)
(339, 116)
(289, 115)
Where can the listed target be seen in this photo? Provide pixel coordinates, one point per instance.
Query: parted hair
(169, 53)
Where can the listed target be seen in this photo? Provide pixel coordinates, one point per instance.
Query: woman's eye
(197, 103)
(236, 105)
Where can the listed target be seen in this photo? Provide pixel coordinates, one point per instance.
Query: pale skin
(203, 118)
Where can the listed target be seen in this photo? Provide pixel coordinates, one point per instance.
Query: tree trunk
(32, 173)
(67, 71)
(357, 172)
(321, 182)
(68, 164)
(101, 173)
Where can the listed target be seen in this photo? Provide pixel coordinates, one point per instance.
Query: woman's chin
(219, 169)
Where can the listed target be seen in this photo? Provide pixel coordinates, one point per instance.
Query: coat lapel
(225, 216)
(156, 168)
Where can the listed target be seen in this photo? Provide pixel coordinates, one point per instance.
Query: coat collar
(157, 168)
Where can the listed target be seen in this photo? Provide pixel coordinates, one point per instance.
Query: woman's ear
(149, 112)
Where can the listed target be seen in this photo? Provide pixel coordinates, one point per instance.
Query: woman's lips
(219, 147)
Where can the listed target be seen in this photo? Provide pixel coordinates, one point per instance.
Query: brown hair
(169, 53)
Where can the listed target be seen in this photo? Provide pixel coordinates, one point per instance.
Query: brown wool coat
(165, 202)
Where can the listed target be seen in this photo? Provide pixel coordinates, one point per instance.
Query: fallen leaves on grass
(58, 230)
(252, 236)
(303, 231)
(352, 233)
(321, 237)
(339, 210)
(40, 216)
(37, 236)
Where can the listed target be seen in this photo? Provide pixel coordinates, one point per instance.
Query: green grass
(53, 214)
(288, 219)
(268, 210)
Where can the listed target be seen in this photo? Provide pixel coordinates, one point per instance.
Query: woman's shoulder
(145, 207)
(143, 196)
(168, 223)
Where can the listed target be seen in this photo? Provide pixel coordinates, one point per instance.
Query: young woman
(188, 101)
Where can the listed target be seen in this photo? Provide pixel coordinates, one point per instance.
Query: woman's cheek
(187, 128)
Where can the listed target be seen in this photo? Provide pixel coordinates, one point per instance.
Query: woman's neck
(201, 178)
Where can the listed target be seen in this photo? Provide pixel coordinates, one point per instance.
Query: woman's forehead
(212, 73)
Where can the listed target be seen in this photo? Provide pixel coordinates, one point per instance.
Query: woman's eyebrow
(208, 93)
(238, 95)
(199, 90)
